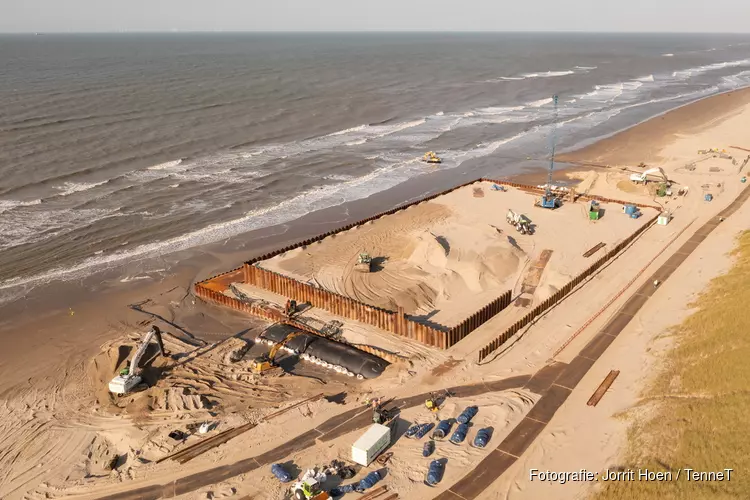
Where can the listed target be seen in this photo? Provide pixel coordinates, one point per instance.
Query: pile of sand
(414, 267)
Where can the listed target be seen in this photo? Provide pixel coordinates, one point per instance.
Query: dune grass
(698, 409)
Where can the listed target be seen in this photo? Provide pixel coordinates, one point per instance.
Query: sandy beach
(62, 427)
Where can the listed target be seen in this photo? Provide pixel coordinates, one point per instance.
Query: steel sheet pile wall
(479, 318)
(554, 299)
(393, 321)
(347, 227)
(212, 295)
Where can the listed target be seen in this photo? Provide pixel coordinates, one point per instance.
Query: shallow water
(120, 147)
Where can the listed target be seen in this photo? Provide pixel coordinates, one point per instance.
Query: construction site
(400, 356)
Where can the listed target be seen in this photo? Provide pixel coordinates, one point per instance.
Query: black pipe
(358, 362)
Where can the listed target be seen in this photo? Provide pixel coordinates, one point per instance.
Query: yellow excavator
(431, 157)
(267, 362)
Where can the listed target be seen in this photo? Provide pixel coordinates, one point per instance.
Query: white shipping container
(370, 444)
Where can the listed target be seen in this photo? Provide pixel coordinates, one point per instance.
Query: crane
(130, 376)
(549, 200)
(266, 362)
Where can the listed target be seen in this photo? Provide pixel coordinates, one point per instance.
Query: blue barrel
(428, 448)
(281, 474)
(709, 197)
(630, 209)
(434, 473)
(412, 430)
(442, 429)
(341, 490)
(368, 482)
(482, 438)
(422, 431)
(460, 434)
(466, 415)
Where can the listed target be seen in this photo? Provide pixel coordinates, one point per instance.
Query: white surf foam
(687, 73)
(539, 103)
(667, 55)
(20, 228)
(648, 78)
(548, 74)
(6, 205)
(76, 187)
(741, 79)
(166, 165)
(348, 130)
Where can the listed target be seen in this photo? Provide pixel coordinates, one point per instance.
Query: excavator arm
(154, 332)
(277, 346)
(657, 170)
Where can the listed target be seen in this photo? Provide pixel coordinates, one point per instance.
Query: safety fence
(560, 294)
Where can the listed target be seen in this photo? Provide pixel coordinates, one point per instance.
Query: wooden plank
(606, 383)
(593, 249)
(374, 493)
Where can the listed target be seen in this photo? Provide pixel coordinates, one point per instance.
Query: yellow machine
(432, 404)
(431, 157)
(267, 362)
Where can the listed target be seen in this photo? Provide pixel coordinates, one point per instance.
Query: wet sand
(52, 332)
(69, 319)
(645, 142)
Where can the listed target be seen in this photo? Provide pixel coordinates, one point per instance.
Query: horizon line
(173, 31)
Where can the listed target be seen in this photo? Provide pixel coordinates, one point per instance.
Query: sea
(115, 148)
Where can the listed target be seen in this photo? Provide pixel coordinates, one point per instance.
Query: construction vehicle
(433, 403)
(309, 489)
(643, 177)
(431, 157)
(436, 401)
(130, 376)
(290, 308)
(267, 362)
(548, 199)
(364, 263)
(380, 414)
(519, 221)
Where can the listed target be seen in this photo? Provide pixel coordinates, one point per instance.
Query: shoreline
(68, 337)
(622, 147)
(149, 277)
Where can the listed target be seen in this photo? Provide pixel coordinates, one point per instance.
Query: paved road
(556, 382)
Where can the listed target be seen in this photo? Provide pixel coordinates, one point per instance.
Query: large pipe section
(325, 352)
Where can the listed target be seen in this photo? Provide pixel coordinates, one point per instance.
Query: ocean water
(123, 147)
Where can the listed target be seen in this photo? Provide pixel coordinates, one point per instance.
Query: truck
(364, 263)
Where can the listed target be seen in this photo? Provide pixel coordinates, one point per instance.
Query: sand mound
(413, 267)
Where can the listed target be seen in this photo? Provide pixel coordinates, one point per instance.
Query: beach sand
(58, 420)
